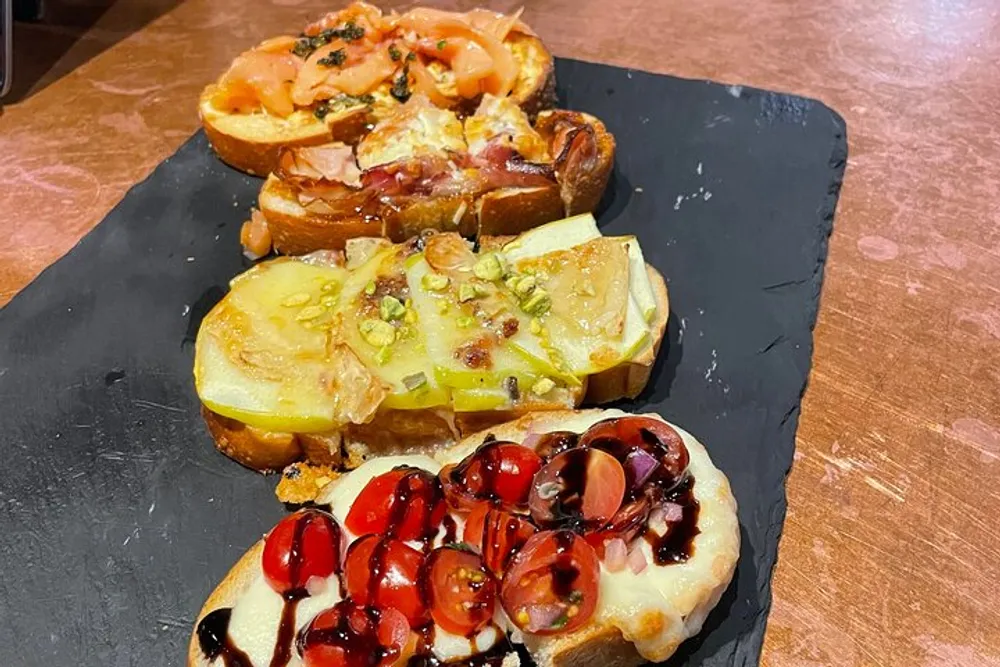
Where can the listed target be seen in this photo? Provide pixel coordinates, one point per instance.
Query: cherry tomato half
(578, 486)
(405, 502)
(552, 584)
(384, 572)
(461, 591)
(497, 471)
(621, 436)
(303, 545)
(348, 635)
(497, 534)
(626, 524)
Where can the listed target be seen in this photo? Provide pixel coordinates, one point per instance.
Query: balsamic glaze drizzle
(214, 640)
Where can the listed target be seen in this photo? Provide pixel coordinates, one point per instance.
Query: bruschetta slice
(352, 67)
(332, 357)
(422, 168)
(591, 538)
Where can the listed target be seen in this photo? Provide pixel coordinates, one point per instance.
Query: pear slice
(263, 354)
(402, 365)
(588, 320)
(462, 341)
(638, 280)
(559, 235)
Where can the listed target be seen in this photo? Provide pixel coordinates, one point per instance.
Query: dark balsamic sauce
(563, 569)
(286, 627)
(676, 545)
(416, 485)
(556, 442)
(450, 529)
(214, 640)
(351, 628)
(477, 473)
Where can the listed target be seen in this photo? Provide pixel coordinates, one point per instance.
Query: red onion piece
(531, 440)
(542, 616)
(615, 555)
(637, 560)
(672, 512)
(639, 465)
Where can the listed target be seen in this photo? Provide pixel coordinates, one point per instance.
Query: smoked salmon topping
(359, 50)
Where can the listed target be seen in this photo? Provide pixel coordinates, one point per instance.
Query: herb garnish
(401, 85)
(441, 44)
(305, 45)
(394, 53)
(341, 102)
(335, 58)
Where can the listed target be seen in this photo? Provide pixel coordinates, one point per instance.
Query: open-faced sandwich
(332, 357)
(353, 67)
(593, 538)
(425, 168)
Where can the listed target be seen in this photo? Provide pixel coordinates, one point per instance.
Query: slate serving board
(117, 516)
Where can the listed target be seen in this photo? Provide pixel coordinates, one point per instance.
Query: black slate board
(117, 516)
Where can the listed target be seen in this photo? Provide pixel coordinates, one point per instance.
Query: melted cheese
(416, 129)
(501, 119)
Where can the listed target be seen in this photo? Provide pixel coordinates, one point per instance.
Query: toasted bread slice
(251, 142)
(424, 430)
(641, 616)
(578, 179)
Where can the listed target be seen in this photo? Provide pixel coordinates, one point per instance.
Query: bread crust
(296, 231)
(424, 431)
(582, 184)
(601, 643)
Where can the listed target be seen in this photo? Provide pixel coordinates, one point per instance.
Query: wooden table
(891, 551)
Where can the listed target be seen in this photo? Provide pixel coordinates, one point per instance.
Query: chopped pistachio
(466, 292)
(488, 268)
(465, 321)
(434, 282)
(511, 282)
(538, 303)
(383, 355)
(410, 316)
(370, 288)
(536, 326)
(542, 387)
(299, 299)
(414, 381)
(310, 313)
(391, 309)
(480, 290)
(377, 333)
(525, 286)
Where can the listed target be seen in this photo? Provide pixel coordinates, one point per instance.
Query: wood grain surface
(891, 551)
